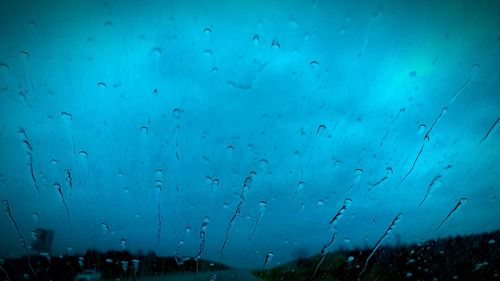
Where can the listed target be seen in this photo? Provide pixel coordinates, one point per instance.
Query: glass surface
(282, 140)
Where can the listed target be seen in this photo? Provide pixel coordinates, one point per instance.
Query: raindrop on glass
(256, 38)
(275, 44)
(123, 244)
(156, 52)
(83, 154)
(314, 64)
(36, 217)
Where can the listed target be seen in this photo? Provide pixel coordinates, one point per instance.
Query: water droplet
(188, 229)
(412, 74)
(314, 64)
(256, 39)
(135, 265)
(358, 172)
(25, 54)
(208, 52)
(204, 224)
(105, 228)
(215, 182)
(263, 164)
(300, 186)
(176, 113)
(83, 154)
(158, 184)
(208, 180)
(4, 66)
(123, 244)
(389, 170)
(207, 31)
(159, 173)
(36, 217)
(102, 85)
(350, 259)
(293, 23)
(320, 203)
(156, 52)
(491, 241)
(269, 258)
(275, 44)
(67, 117)
(321, 129)
(347, 202)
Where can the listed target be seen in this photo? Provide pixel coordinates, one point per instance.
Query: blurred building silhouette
(43, 241)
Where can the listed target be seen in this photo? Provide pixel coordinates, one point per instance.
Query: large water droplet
(83, 154)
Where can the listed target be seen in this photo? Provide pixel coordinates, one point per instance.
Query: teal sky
(258, 115)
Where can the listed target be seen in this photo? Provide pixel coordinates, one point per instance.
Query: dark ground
(475, 257)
